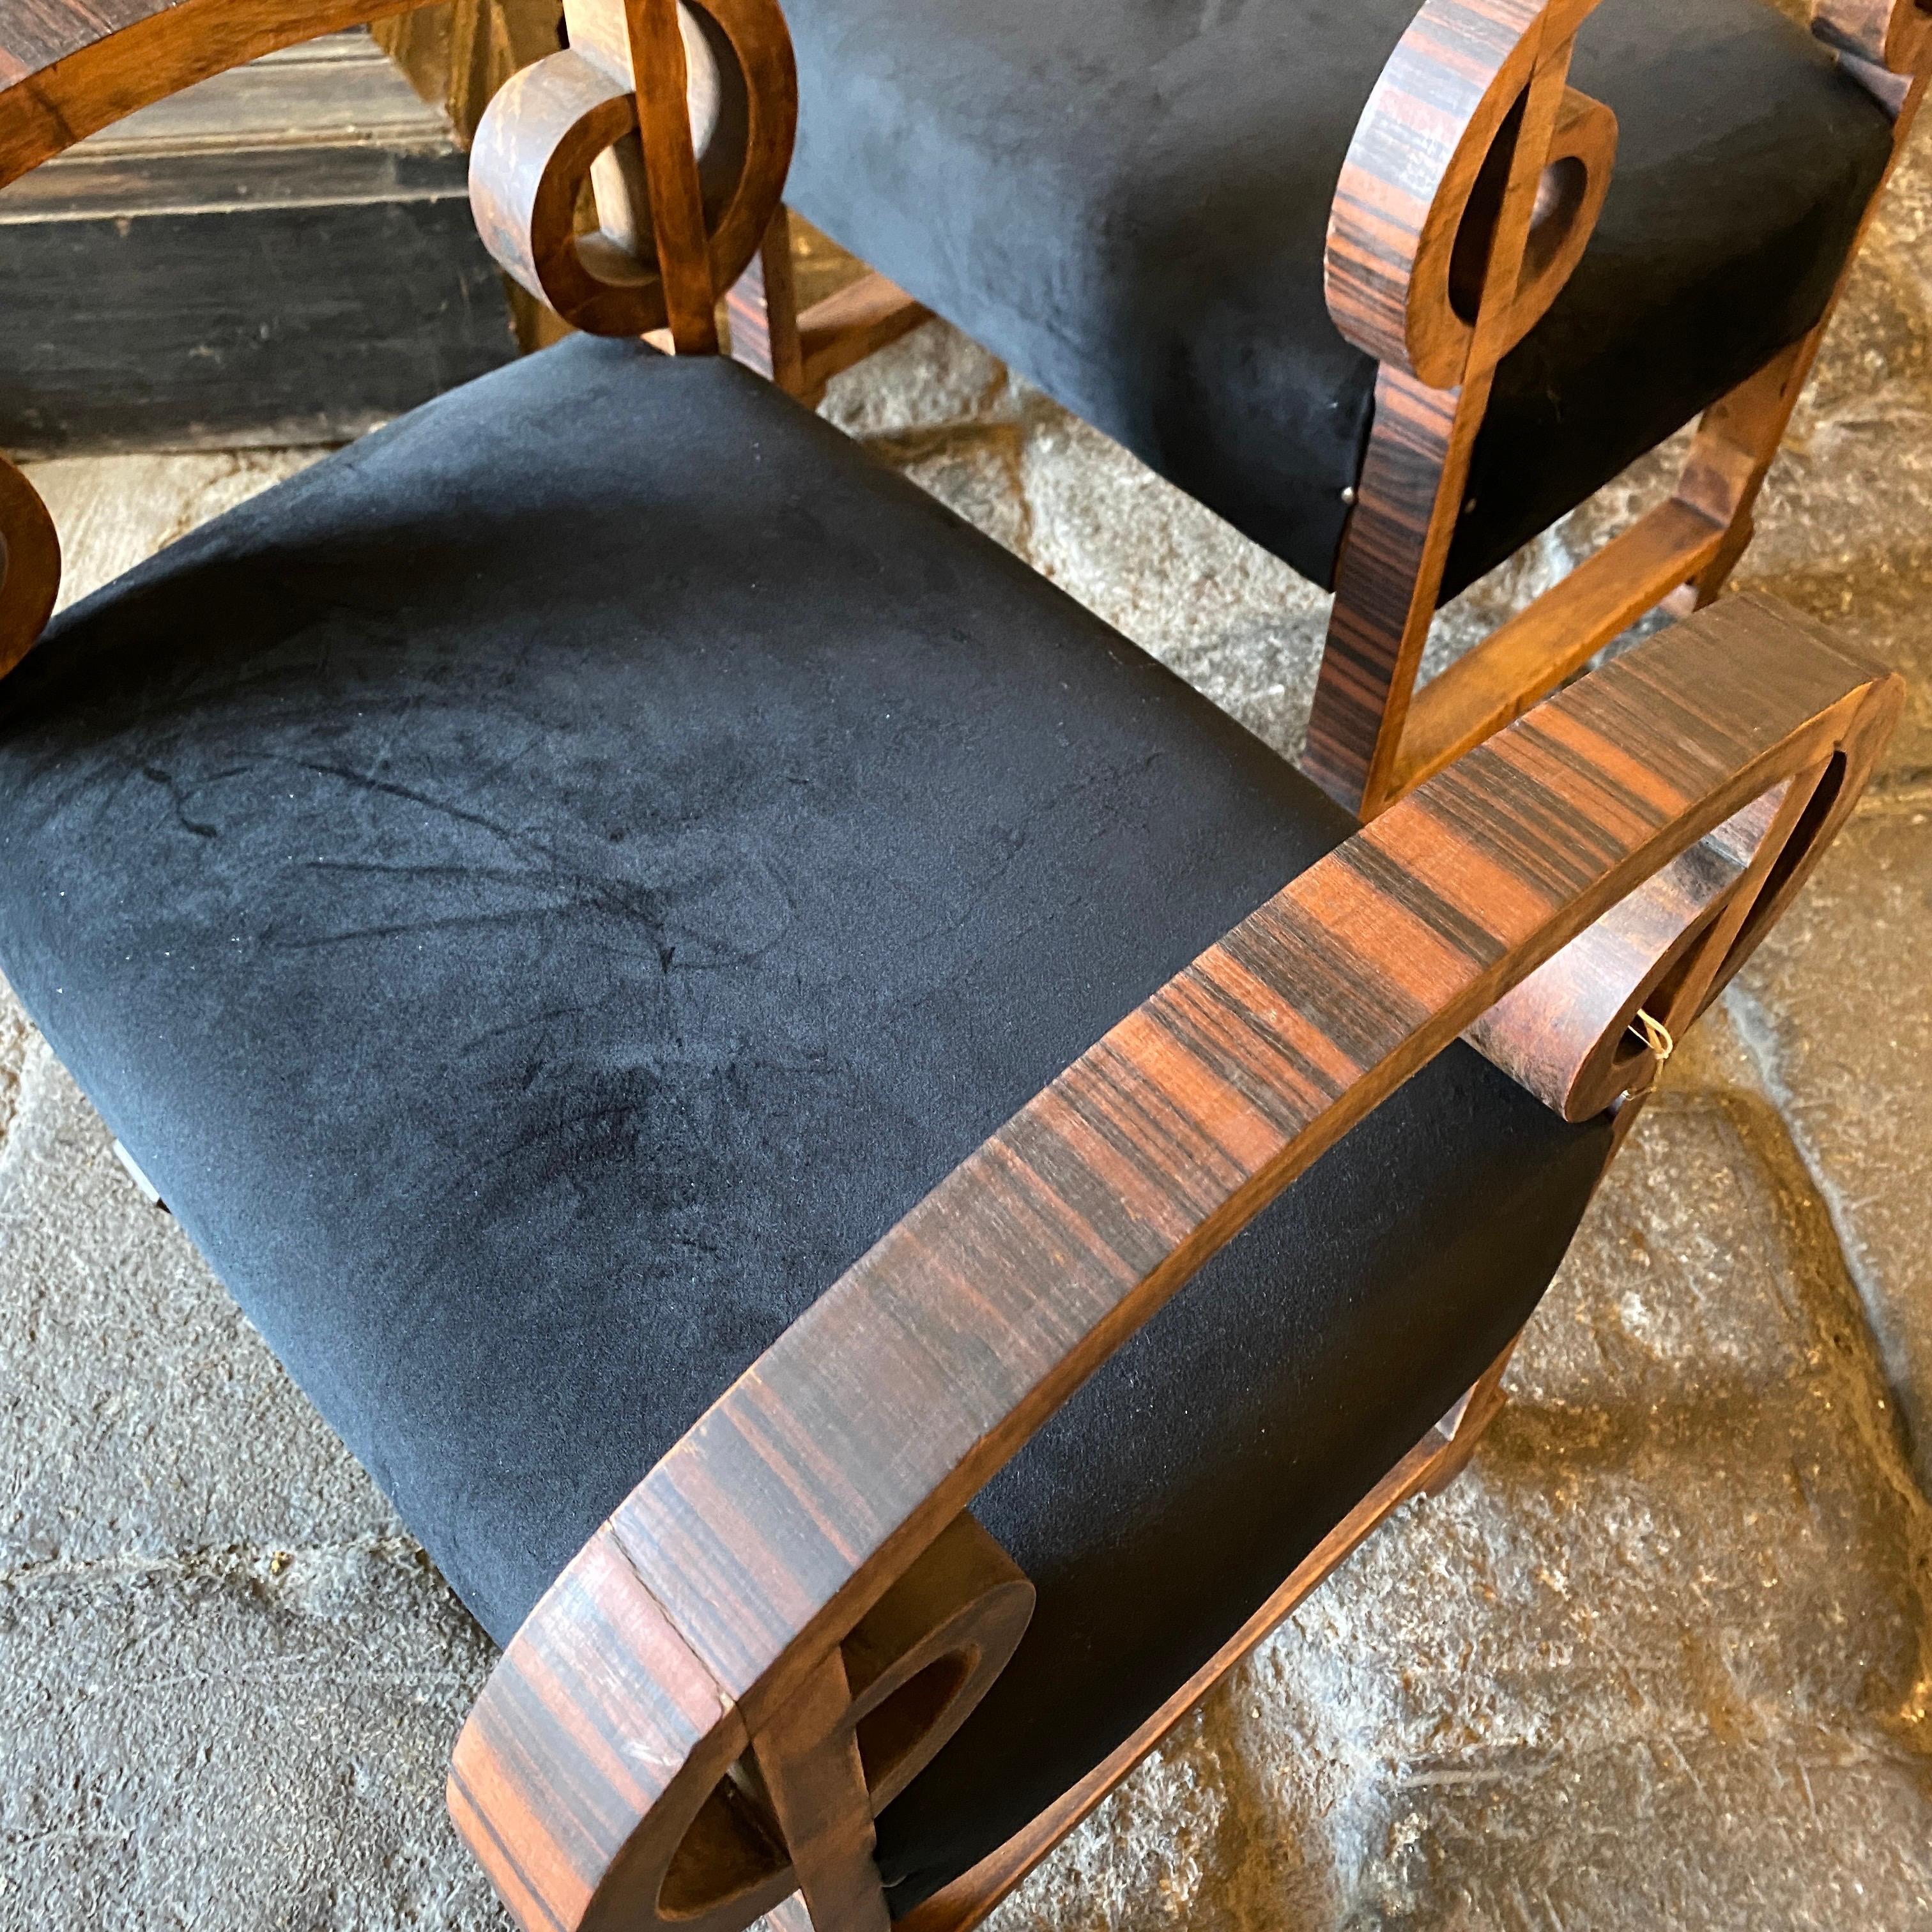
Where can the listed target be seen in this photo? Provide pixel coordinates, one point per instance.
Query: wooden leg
(1737, 442)
(763, 307)
(1740, 436)
(863, 318)
(802, 352)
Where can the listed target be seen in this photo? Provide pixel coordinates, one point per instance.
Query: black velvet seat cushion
(1127, 200)
(542, 891)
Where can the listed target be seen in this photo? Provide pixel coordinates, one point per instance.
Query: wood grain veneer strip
(1496, 681)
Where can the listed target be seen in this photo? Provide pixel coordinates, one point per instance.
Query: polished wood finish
(1408, 497)
(861, 318)
(763, 308)
(659, 63)
(1570, 1034)
(531, 162)
(1497, 680)
(772, 1528)
(548, 131)
(30, 566)
(802, 352)
(808, 1755)
(69, 68)
(1470, 191)
(683, 1827)
(1432, 215)
(1426, 135)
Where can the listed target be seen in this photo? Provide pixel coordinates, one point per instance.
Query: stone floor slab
(1838, 1014)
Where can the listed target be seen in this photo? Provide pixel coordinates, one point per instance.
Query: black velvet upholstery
(1127, 200)
(542, 891)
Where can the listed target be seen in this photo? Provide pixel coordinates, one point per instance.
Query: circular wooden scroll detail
(916, 1664)
(1576, 179)
(598, 1689)
(30, 566)
(551, 126)
(1895, 34)
(1569, 1033)
(1422, 187)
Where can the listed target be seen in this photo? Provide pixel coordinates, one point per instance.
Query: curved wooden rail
(1461, 174)
(30, 566)
(69, 68)
(712, 1598)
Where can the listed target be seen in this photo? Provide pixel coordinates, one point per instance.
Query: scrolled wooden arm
(70, 68)
(684, 131)
(707, 1614)
(1470, 189)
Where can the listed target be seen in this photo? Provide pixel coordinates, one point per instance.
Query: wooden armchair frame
(1469, 193)
(678, 1736)
(1372, 735)
(792, 1611)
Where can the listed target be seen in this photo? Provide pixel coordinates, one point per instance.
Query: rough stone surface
(113, 511)
(227, 1678)
(1661, 1658)
(1837, 1012)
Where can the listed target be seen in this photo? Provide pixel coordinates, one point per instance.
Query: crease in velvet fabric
(1127, 201)
(542, 891)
